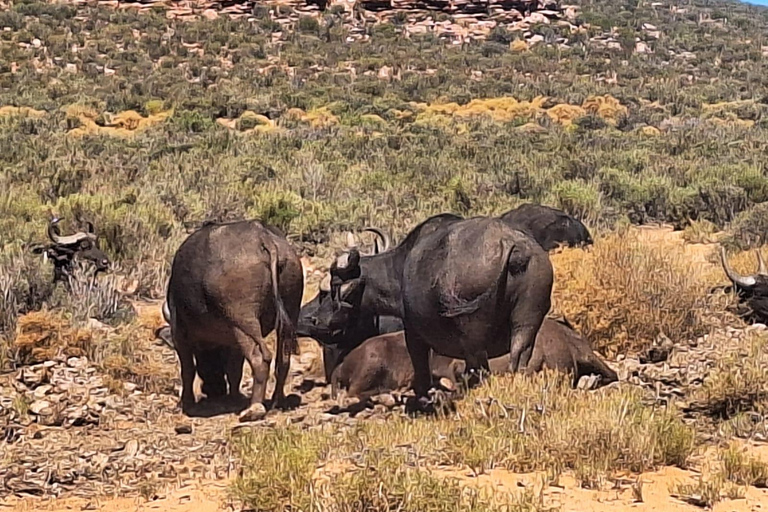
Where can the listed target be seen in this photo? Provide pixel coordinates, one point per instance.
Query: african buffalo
(231, 284)
(752, 289)
(550, 227)
(64, 251)
(382, 364)
(465, 288)
(357, 328)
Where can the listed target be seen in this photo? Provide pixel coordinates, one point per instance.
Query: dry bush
(742, 469)
(522, 425)
(738, 383)
(41, 335)
(624, 293)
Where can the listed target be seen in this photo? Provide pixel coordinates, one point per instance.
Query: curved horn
(738, 280)
(351, 242)
(384, 237)
(91, 231)
(53, 231)
(166, 312)
(761, 270)
(325, 284)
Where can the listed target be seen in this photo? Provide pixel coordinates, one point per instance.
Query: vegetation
(522, 425)
(148, 126)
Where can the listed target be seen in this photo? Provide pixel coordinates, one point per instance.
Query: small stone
(36, 43)
(184, 428)
(41, 391)
(70, 68)
(446, 384)
(132, 448)
(210, 14)
(129, 386)
(255, 412)
(387, 400)
(40, 407)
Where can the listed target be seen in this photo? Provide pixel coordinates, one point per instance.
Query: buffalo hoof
(422, 404)
(290, 402)
(255, 412)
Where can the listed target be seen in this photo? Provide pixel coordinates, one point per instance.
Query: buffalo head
(751, 288)
(336, 306)
(63, 251)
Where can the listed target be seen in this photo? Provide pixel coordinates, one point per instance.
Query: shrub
(624, 293)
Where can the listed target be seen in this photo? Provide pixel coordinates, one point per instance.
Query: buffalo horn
(325, 284)
(383, 236)
(166, 312)
(351, 242)
(738, 280)
(761, 270)
(53, 234)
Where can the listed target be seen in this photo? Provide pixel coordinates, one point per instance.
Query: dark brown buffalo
(549, 226)
(465, 288)
(65, 251)
(382, 363)
(231, 284)
(751, 289)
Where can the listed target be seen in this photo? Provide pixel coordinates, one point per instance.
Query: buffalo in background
(65, 251)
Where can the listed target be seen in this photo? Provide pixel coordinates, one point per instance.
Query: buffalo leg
(522, 339)
(422, 374)
(187, 362)
(234, 371)
(258, 356)
(210, 368)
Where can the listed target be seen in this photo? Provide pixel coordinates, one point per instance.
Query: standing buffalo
(382, 364)
(753, 289)
(64, 251)
(548, 226)
(231, 284)
(466, 288)
(358, 326)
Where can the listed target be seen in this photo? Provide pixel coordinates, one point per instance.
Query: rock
(387, 400)
(255, 412)
(587, 382)
(184, 428)
(37, 43)
(43, 390)
(70, 68)
(40, 408)
(446, 384)
(210, 14)
(129, 386)
(131, 448)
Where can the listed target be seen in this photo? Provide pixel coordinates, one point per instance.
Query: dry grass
(625, 293)
(742, 469)
(522, 425)
(738, 383)
(41, 335)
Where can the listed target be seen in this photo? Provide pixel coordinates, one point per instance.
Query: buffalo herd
(457, 298)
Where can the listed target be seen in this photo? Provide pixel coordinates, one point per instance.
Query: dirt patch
(203, 496)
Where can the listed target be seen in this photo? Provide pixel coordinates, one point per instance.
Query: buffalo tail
(286, 332)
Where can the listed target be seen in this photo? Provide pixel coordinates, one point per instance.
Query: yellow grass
(625, 293)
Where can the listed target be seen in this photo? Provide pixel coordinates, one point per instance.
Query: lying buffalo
(752, 289)
(65, 251)
(550, 227)
(231, 284)
(382, 364)
(465, 288)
